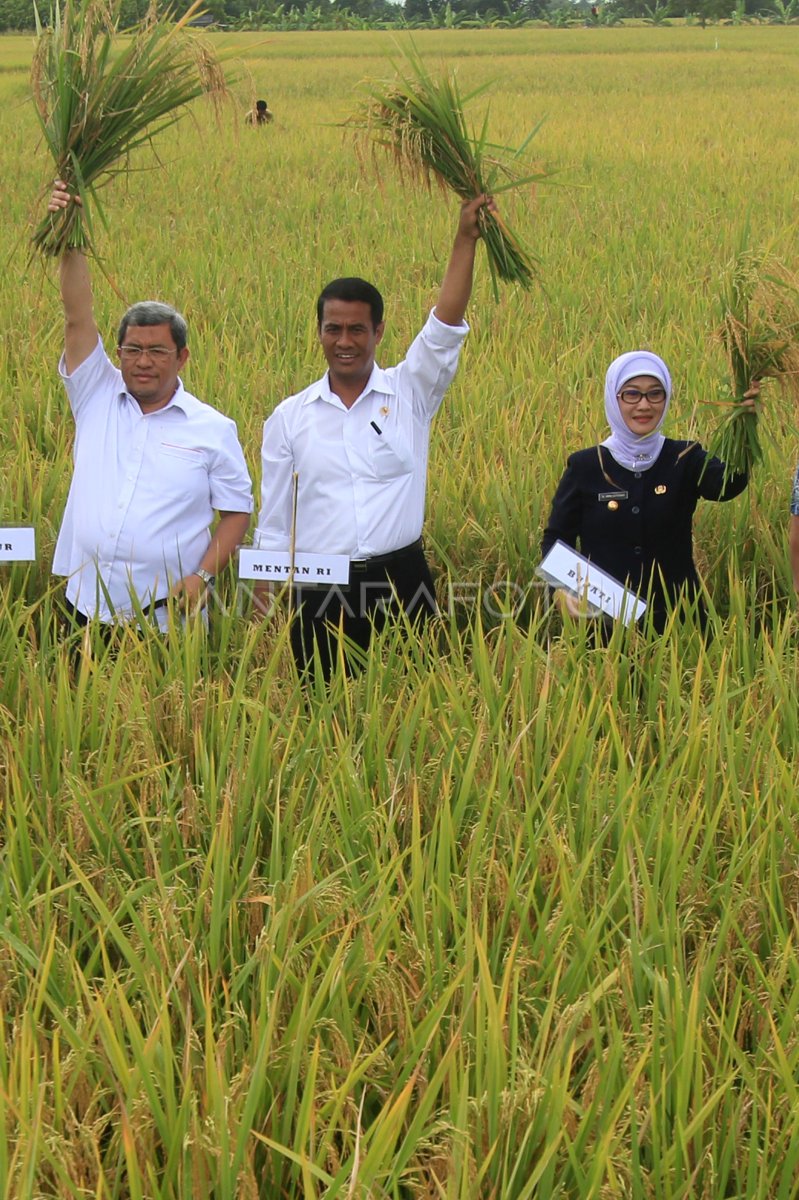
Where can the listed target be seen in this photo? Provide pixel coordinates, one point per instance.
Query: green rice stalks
(420, 120)
(98, 101)
(759, 330)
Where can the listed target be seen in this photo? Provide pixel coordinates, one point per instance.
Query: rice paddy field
(505, 916)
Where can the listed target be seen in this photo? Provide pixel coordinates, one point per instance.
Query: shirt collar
(379, 381)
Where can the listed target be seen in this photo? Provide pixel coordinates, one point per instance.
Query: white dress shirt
(361, 471)
(144, 490)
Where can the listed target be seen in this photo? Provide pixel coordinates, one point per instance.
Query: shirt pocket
(187, 454)
(179, 473)
(390, 454)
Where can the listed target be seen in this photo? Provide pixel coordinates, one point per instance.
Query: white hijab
(634, 451)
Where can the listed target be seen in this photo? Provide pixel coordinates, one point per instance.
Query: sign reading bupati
(275, 566)
(17, 545)
(563, 567)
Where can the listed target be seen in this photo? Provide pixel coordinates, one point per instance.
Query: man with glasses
(152, 464)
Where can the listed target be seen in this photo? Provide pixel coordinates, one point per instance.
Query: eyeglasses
(655, 396)
(157, 353)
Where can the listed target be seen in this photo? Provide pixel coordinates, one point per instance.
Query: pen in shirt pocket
(376, 428)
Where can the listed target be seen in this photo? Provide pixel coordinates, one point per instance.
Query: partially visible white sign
(308, 568)
(18, 545)
(565, 568)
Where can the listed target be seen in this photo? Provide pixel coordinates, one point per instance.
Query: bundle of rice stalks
(97, 104)
(759, 329)
(421, 121)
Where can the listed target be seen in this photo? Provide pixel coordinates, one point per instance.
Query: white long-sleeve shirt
(362, 471)
(144, 490)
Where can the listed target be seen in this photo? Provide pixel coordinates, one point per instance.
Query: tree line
(18, 15)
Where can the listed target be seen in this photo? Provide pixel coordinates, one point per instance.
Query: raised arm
(80, 328)
(456, 287)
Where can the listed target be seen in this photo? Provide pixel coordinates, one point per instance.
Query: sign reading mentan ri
(275, 565)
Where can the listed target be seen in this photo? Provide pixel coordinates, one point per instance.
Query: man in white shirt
(151, 464)
(357, 440)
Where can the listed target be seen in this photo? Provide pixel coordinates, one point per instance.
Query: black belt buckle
(359, 565)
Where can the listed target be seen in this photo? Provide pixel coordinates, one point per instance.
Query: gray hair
(152, 312)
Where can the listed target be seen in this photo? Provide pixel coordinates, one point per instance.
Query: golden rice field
(506, 916)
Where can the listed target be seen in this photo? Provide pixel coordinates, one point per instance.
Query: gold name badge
(660, 490)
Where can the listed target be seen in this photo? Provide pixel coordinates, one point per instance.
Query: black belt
(81, 618)
(376, 560)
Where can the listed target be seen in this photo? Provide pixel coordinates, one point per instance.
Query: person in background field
(260, 115)
(628, 504)
(358, 441)
(151, 463)
(793, 534)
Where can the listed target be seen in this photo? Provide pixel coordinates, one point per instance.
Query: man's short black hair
(351, 288)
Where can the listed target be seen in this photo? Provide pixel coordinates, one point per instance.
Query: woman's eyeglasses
(655, 395)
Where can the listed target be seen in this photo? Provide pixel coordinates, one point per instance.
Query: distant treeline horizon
(19, 15)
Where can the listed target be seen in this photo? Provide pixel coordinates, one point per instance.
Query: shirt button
(637, 550)
(637, 474)
(636, 509)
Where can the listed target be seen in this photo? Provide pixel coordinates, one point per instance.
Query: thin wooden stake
(293, 543)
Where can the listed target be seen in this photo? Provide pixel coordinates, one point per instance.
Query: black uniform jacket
(636, 525)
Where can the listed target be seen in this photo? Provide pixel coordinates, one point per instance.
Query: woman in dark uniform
(628, 504)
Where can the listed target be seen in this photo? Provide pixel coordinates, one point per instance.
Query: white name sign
(565, 568)
(18, 545)
(308, 568)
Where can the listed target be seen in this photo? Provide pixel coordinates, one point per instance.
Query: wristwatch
(206, 576)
